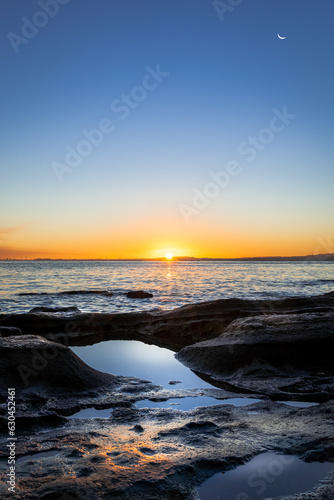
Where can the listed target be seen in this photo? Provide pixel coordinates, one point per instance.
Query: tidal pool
(131, 358)
(38, 456)
(92, 413)
(189, 403)
(185, 404)
(267, 475)
(298, 404)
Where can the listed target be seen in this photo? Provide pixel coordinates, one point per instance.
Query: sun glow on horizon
(169, 256)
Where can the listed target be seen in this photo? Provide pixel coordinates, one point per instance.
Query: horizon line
(325, 256)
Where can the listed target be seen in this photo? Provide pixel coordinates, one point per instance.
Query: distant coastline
(329, 257)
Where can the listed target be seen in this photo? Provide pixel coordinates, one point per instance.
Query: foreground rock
(173, 329)
(34, 365)
(164, 454)
(271, 354)
(9, 331)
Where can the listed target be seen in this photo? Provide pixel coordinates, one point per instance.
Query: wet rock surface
(156, 454)
(275, 354)
(269, 350)
(36, 366)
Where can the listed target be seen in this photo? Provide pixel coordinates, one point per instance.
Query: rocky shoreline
(277, 350)
(171, 329)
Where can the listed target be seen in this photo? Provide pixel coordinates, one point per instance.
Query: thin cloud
(7, 252)
(6, 231)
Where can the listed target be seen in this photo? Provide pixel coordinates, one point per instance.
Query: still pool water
(184, 404)
(190, 403)
(92, 413)
(267, 475)
(298, 404)
(38, 456)
(131, 358)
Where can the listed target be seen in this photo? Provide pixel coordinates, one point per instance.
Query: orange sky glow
(150, 242)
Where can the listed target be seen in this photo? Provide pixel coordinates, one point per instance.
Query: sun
(169, 256)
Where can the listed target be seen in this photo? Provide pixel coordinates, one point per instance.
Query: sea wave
(103, 286)
(107, 293)
(317, 282)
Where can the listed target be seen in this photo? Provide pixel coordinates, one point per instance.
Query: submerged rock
(139, 294)
(44, 309)
(71, 292)
(87, 292)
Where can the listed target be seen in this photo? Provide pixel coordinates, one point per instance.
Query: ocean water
(172, 283)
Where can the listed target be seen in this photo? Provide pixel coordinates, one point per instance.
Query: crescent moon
(281, 37)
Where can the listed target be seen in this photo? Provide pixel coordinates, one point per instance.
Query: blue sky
(225, 77)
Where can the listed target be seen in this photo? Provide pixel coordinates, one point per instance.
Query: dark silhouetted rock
(9, 331)
(269, 353)
(137, 428)
(33, 364)
(139, 294)
(297, 340)
(71, 292)
(43, 309)
(87, 292)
